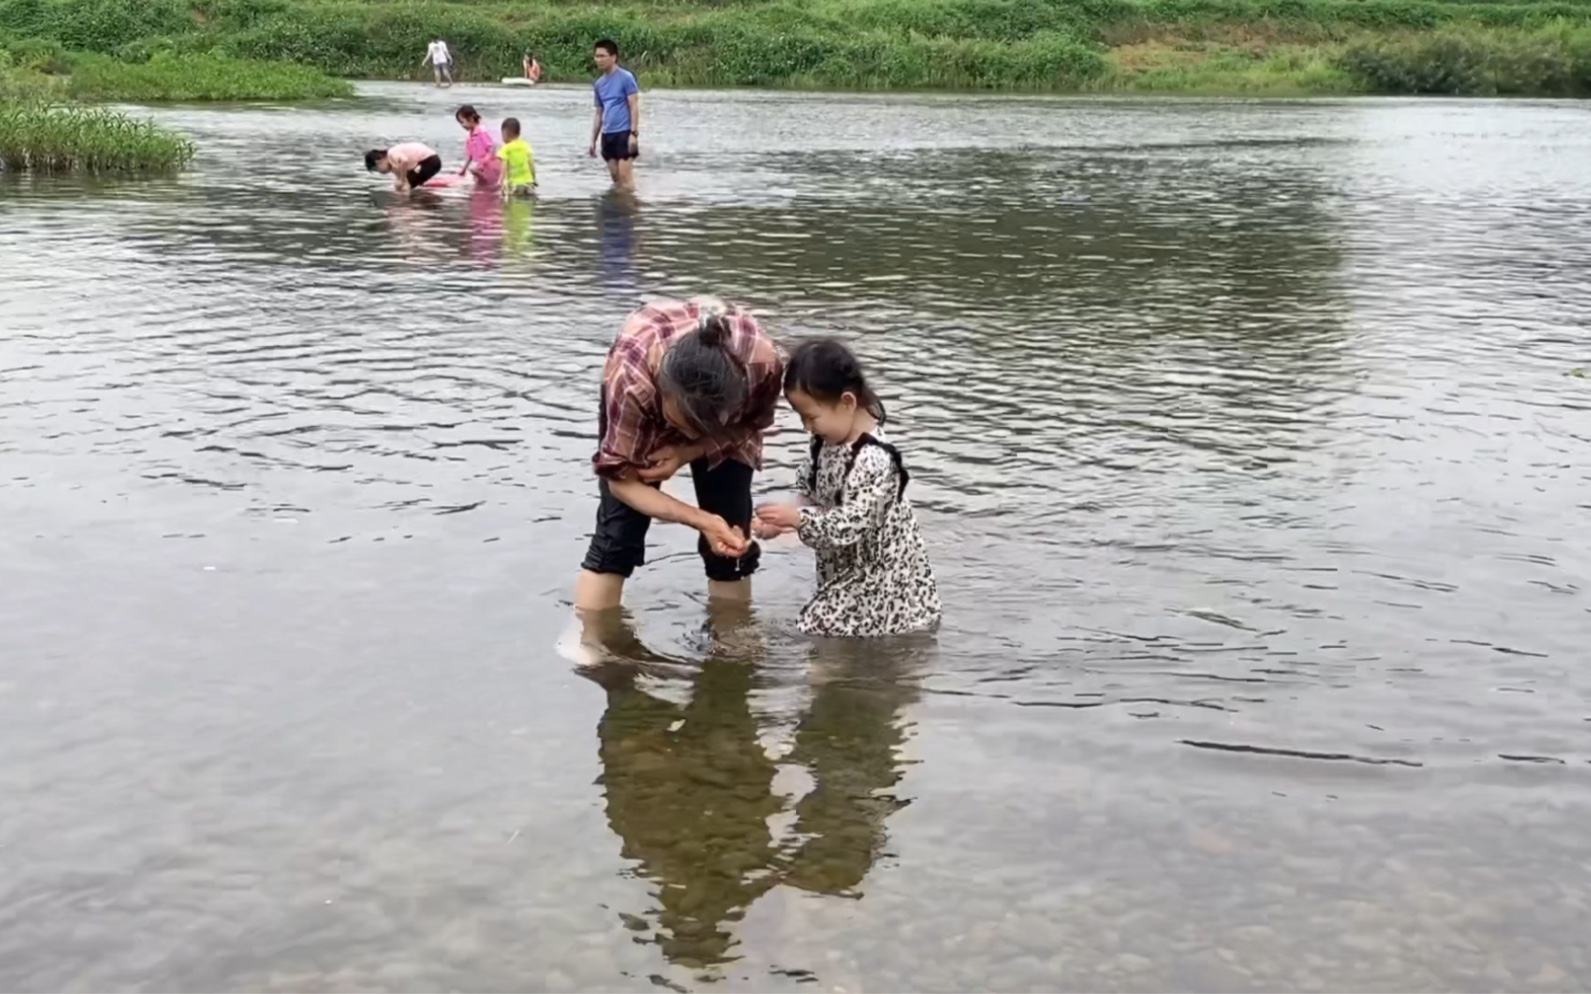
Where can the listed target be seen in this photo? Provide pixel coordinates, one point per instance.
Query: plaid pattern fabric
(632, 423)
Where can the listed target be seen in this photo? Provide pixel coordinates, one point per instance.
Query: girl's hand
(785, 517)
(765, 531)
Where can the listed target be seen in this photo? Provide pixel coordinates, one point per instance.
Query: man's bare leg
(624, 176)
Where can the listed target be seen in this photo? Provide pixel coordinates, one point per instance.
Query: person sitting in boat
(532, 68)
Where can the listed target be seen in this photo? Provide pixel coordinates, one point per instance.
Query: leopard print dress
(873, 572)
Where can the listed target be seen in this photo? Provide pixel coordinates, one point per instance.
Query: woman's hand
(784, 517)
(667, 461)
(723, 538)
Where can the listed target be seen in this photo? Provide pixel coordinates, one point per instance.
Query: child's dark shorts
(619, 543)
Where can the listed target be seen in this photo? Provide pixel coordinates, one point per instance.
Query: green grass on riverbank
(1241, 46)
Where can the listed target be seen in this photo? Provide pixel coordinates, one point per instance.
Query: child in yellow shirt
(519, 162)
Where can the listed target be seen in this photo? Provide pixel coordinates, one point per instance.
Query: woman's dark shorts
(619, 543)
(427, 167)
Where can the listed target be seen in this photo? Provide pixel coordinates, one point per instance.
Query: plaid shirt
(633, 423)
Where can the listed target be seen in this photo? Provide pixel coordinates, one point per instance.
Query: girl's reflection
(850, 740)
(486, 227)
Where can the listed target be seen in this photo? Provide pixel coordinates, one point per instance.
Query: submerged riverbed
(1244, 434)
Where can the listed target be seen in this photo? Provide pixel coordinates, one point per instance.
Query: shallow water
(1245, 436)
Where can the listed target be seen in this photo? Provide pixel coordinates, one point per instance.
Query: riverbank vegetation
(40, 137)
(1240, 46)
(165, 76)
(41, 132)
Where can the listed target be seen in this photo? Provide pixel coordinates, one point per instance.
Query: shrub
(1464, 61)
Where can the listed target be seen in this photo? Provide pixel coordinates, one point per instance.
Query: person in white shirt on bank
(441, 61)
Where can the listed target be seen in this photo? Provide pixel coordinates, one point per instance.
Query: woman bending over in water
(411, 164)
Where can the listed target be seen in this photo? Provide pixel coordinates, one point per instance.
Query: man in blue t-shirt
(617, 125)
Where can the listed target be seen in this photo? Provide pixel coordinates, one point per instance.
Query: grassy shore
(1211, 46)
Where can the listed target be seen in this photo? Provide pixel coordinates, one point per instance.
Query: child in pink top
(480, 150)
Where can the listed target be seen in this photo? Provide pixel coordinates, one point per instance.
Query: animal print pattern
(873, 573)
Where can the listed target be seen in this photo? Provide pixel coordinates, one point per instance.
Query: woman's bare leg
(598, 591)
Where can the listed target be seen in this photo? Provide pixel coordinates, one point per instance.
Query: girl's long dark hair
(826, 370)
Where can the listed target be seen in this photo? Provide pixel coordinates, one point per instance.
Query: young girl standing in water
(480, 149)
(873, 572)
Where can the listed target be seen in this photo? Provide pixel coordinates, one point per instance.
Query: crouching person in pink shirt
(411, 164)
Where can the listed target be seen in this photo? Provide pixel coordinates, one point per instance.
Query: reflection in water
(851, 739)
(689, 791)
(690, 788)
(486, 226)
(616, 211)
(417, 224)
(519, 227)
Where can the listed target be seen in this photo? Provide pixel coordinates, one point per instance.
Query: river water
(1247, 440)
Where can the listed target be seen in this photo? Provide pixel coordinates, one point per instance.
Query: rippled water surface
(1247, 440)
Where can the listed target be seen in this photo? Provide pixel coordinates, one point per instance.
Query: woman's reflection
(416, 225)
(690, 788)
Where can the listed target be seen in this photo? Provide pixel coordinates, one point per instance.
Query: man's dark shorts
(619, 543)
(616, 147)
